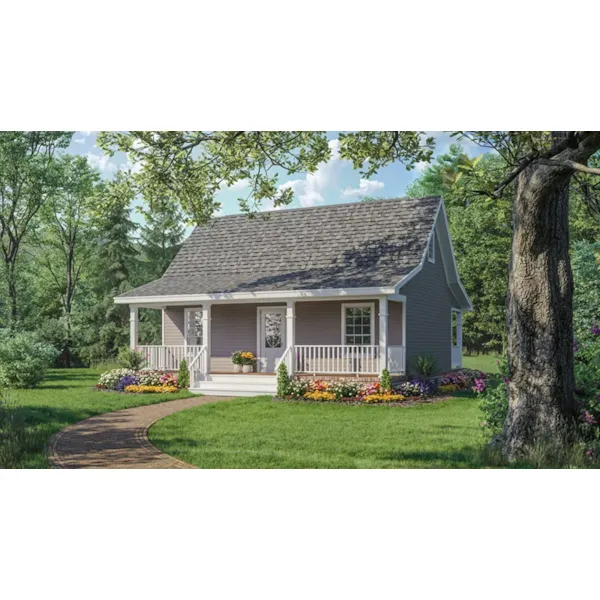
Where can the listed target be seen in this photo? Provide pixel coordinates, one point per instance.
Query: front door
(271, 344)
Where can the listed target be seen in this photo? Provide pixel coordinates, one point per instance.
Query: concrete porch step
(236, 385)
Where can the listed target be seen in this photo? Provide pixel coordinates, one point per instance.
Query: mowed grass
(67, 396)
(259, 433)
(488, 363)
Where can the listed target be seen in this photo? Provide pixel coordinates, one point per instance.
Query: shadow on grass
(26, 431)
(461, 458)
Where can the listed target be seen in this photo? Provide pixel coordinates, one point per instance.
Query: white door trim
(259, 349)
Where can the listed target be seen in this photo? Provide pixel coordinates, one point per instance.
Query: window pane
(367, 340)
(273, 330)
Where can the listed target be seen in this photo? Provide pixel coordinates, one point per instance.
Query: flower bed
(146, 381)
(400, 394)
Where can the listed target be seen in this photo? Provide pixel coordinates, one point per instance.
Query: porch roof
(359, 245)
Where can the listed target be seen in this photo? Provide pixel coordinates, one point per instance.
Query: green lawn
(483, 362)
(67, 396)
(260, 433)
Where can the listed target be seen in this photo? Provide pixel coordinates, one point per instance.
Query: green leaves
(369, 151)
(193, 165)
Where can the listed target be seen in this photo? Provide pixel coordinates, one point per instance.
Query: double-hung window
(358, 324)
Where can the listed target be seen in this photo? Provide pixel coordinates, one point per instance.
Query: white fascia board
(266, 296)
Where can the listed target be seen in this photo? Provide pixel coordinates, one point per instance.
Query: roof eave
(260, 296)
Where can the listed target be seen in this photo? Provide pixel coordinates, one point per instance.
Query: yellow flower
(319, 395)
(384, 398)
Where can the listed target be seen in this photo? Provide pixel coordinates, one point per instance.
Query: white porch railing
(396, 359)
(287, 359)
(198, 367)
(456, 357)
(168, 358)
(336, 359)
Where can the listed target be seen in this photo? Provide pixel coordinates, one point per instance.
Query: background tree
(115, 264)
(160, 240)
(28, 175)
(67, 238)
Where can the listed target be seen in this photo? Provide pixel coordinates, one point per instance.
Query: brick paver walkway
(119, 440)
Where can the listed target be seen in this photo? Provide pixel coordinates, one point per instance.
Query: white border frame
(370, 305)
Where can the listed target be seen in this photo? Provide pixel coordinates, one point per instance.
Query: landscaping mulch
(354, 402)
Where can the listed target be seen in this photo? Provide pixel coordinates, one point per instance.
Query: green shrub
(426, 365)
(493, 401)
(183, 377)
(131, 359)
(24, 360)
(386, 380)
(283, 380)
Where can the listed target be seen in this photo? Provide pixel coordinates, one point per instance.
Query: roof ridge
(320, 206)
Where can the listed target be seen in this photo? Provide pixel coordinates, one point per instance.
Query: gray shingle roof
(363, 244)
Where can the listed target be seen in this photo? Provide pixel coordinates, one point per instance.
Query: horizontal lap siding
(320, 323)
(428, 316)
(173, 324)
(233, 328)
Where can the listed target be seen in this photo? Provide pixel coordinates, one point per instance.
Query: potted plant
(236, 359)
(248, 361)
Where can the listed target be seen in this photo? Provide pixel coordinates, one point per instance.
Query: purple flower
(590, 452)
(589, 418)
(595, 329)
(575, 347)
(479, 385)
(125, 381)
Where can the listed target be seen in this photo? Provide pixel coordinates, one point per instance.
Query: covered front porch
(354, 338)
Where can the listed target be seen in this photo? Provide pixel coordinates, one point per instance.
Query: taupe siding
(428, 314)
(395, 323)
(320, 323)
(233, 327)
(173, 324)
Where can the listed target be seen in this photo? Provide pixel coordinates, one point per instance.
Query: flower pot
(247, 368)
(237, 368)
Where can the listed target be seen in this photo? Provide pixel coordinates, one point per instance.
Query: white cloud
(365, 187)
(242, 184)
(79, 140)
(310, 189)
(421, 166)
(101, 162)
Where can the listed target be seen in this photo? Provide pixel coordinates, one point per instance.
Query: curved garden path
(119, 440)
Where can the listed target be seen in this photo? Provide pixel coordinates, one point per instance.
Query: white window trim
(370, 305)
(186, 321)
(431, 248)
(458, 313)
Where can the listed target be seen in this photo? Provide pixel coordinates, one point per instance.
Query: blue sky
(334, 182)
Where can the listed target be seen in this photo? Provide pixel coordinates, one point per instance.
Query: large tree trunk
(540, 312)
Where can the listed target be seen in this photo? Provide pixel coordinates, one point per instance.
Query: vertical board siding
(320, 323)
(428, 314)
(173, 323)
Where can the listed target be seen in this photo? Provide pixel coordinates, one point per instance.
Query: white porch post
(383, 333)
(290, 331)
(133, 327)
(206, 334)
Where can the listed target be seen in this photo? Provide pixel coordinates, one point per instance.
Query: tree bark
(540, 310)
